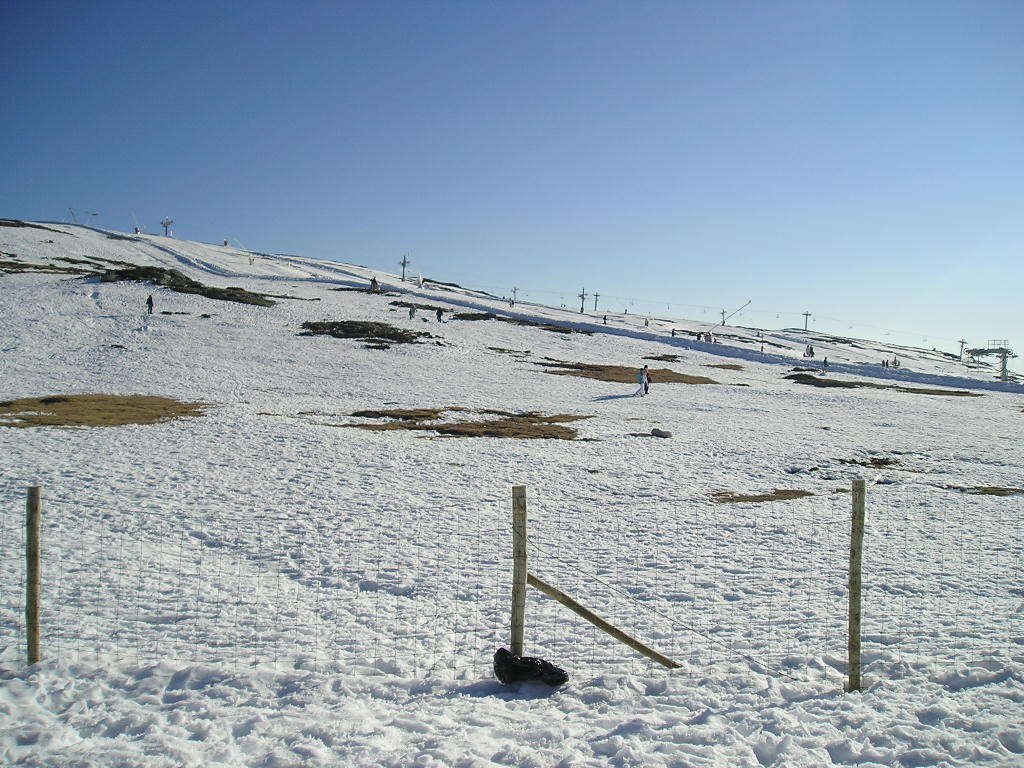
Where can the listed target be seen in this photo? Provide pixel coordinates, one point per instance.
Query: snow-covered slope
(260, 586)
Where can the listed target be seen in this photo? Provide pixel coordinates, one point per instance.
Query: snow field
(258, 587)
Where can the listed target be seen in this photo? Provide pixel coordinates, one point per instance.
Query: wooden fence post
(33, 516)
(856, 553)
(518, 567)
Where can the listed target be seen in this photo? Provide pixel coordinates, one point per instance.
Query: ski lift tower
(1001, 349)
(166, 223)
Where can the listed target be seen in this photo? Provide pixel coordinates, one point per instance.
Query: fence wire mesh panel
(423, 593)
(943, 575)
(12, 573)
(759, 584)
(425, 590)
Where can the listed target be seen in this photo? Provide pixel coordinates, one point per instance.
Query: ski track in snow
(259, 587)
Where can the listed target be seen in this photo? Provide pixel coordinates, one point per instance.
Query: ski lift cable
(651, 302)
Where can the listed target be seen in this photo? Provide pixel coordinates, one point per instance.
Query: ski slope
(378, 561)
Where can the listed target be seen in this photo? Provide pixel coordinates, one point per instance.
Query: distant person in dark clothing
(439, 314)
(149, 304)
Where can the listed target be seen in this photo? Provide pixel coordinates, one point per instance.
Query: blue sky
(863, 161)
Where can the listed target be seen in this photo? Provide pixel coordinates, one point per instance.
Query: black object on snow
(509, 668)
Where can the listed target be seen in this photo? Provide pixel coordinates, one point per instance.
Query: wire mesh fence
(147, 585)
(764, 584)
(943, 575)
(426, 590)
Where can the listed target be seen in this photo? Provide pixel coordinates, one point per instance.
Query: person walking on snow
(149, 304)
(439, 314)
(644, 382)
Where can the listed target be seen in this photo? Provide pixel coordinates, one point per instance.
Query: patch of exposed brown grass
(513, 352)
(424, 307)
(12, 264)
(293, 298)
(875, 462)
(987, 490)
(522, 426)
(725, 366)
(821, 381)
(179, 282)
(403, 414)
(621, 374)
(93, 410)
(663, 358)
(472, 316)
(20, 223)
(380, 334)
(778, 494)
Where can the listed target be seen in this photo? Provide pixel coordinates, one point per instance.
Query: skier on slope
(149, 304)
(439, 314)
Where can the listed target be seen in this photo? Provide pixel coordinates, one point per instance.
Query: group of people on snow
(438, 312)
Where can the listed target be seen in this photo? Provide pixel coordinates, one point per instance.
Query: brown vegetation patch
(179, 282)
(88, 262)
(18, 223)
(986, 490)
(516, 321)
(513, 352)
(403, 414)
(378, 335)
(778, 494)
(663, 358)
(414, 305)
(523, 426)
(93, 410)
(293, 298)
(354, 289)
(725, 366)
(820, 381)
(621, 374)
(12, 264)
(875, 462)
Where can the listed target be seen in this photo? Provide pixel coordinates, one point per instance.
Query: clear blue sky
(864, 161)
